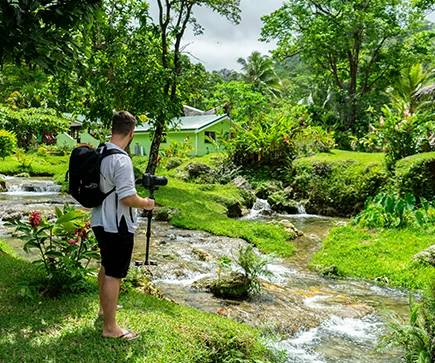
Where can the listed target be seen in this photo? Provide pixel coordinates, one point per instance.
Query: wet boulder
(12, 216)
(234, 286)
(3, 187)
(234, 210)
(201, 254)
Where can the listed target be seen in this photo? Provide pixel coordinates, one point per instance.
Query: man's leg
(101, 277)
(108, 299)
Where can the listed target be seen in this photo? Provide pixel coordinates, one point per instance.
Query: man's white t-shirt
(116, 171)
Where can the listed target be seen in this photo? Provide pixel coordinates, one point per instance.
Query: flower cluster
(35, 219)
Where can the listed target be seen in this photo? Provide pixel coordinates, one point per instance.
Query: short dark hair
(122, 123)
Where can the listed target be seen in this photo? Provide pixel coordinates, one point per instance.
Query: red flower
(35, 219)
(72, 241)
(51, 259)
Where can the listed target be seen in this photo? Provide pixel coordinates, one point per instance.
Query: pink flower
(72, 241)
(35, 219)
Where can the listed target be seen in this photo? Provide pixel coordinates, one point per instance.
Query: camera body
(151, 182)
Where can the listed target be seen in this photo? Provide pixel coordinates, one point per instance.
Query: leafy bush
(28, 123)
(418, 336)
(276, 140)
(416, 175)
(8, 142)
(398, 134)
(338, 183)
(66, 248)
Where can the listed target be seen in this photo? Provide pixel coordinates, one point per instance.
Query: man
(114, 222)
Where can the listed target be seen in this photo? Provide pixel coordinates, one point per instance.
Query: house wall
(202, 148)
(65, 139)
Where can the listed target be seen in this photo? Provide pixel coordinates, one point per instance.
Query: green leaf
(410, 201)
(70, 216)
(54, 254)
(58, 212)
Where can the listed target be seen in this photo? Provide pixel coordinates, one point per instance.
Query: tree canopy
(43, 32)
(356, 45)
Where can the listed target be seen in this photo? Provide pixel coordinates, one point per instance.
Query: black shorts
(115, 249)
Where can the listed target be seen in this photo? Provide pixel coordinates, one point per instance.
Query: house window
(209, 135)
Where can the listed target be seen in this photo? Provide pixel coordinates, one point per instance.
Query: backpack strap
(107, 152)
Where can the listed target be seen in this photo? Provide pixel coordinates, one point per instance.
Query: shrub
(338, 183)
(65, 249)
(276, 140)
(416, 175)
(8, 142)
(29, 123)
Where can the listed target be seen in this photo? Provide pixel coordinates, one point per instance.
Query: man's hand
(134, 201)
(148, 204)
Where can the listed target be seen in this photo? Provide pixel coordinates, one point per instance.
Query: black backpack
(84, 175)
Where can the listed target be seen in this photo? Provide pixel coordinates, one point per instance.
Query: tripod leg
(150, 216)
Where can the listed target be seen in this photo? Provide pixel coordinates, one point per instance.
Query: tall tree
(357, 44)
(258, 70)
(43, 32)
(173, 19)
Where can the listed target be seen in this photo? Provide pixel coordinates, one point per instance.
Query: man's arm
(134, 201)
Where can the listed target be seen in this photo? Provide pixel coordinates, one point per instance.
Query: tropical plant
(66, 247)
(390, 211)
(258, 70)
(8, 142)
(253, 266)
(418, 336)
(404, 90)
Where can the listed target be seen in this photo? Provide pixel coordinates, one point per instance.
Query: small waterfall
(258, 208)
(301, 209)
(31, 187)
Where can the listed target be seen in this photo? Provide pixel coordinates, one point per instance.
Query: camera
(153, 182)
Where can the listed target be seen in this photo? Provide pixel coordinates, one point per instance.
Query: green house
(193, 128)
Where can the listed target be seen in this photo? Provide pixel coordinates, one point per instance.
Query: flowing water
(318, 319)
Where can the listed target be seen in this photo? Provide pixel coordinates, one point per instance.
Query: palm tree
(258, 71)
(406, 93)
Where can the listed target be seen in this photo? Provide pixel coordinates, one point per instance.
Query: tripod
(147, 262)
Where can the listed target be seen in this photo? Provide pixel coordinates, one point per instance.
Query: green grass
(39, 166)
(341, 155)
(360, 254)
(66, 329)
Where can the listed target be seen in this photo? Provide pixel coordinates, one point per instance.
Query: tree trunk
(154, 150)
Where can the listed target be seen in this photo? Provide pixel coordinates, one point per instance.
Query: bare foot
(121, 334)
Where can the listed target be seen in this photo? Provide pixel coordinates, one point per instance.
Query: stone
(197, 169)
(234, 286)
(9, 217)
(428, 256)
(234, 210)
(241, 183)
(201, 254)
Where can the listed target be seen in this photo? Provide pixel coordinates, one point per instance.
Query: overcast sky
(223, 43)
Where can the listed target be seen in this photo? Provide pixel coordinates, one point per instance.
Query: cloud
(222, 42)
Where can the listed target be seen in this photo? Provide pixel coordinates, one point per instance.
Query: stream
(317, 319)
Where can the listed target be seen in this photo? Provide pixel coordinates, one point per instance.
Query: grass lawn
(340, 155)
(384, 253)
(66, 329)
